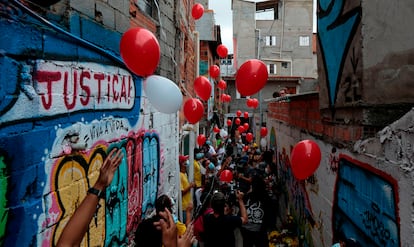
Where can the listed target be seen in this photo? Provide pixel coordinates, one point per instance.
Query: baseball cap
(182, 158)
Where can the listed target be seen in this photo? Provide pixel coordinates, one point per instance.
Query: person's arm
(190, 186)
(78, 224)
(243, 211)
(189, 213)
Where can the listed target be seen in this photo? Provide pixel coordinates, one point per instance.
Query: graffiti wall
(64, 105)
(362, 195)
(340, 55)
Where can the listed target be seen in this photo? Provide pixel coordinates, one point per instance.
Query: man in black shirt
(219, 227)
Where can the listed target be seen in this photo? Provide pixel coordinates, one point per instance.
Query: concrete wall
(295, 20)
(365, 58)
(66, 101)
(244, 36)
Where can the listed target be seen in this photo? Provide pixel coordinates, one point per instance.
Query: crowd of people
(230, 213)
(216, 212)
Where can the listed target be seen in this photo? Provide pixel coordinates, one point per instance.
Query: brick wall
(302, 111)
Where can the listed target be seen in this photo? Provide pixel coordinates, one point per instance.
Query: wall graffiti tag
(365, 206)
(336, 30)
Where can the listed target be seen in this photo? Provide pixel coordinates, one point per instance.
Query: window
(272, 69)
(267, 10)
(145, 6)
(270, 40)
(303, 40)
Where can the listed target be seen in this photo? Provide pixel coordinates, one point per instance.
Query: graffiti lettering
(375, 227)
(105, 127)
(113, 89)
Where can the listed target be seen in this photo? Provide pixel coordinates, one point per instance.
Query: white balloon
(223, 133)
(263, 142)
(163, 94)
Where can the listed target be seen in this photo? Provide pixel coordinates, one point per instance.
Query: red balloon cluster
(201, 139)
(251, 77)
(202, 87)
(193, 110)
(263, 131)
(214, 71)
(305, 159)
(222, 85)
(222, 51)
(226, 176)
(197, 11)
(225, 98)
(252, 103)
(140, 51)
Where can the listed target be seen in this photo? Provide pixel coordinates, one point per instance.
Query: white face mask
(187, 163)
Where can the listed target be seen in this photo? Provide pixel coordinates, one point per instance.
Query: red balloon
(226, 176)
(197, 11)
(305, 159)
(216, 129)
(249, 102)
(228, 98)
(263, 131)
(229, 122)
(255, 103)
(246, 114)
(202, 87)
(222, 51)
(223, 97)
(222, 84)
(251, 77)
(193, 110)
(241, 129)
(201, 139)
(214, 71)
(237, 121)
(249, 137)
(140, 51)
(238, 113)
(246, 126)
(246, 148)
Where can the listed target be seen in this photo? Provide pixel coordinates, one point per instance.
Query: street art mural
(338, 25)
(365, 206)
(65, 103)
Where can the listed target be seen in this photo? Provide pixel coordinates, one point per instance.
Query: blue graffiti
(335, 31)
(364, 208)
(150, 164)
(117, 206)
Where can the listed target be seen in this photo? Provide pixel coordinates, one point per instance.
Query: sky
(223, 16)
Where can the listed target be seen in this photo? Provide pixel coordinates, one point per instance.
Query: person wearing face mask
(185, 185)
(199, 170)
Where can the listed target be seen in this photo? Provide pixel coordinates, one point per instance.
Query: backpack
(199, 224)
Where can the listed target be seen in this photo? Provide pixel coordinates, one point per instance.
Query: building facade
(67, 100)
